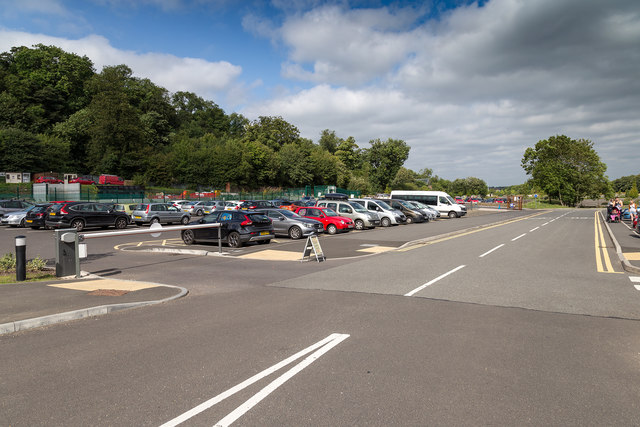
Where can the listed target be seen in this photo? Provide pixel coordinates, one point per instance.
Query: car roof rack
(335, 196)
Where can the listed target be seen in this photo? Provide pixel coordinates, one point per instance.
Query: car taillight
(247, 221)
(63, 210)
(39, 214)
(147, 210)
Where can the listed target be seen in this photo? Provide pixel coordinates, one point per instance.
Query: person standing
(633, 211)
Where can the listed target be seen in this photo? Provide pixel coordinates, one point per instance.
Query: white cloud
(470, 91)
(210, 80)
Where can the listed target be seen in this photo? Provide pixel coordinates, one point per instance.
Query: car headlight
(305, 225)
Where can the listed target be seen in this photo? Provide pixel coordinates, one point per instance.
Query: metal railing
(69, 259)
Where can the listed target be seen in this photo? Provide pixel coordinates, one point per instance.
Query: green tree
(565, 168)
(349, 153)
(329, 141)
(385, 159)
(273, 132)
(19, 151)
(41, 86)
(633, 192)
(116, 135)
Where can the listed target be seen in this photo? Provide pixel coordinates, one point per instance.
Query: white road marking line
(544, 224)
(418, 289)
(488, 252)
(534, 229)
(246, 406)
(516, 238)
(635, 279)
(219, 398)
(637, 287)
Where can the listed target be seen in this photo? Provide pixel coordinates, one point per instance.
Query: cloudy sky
(468, 85)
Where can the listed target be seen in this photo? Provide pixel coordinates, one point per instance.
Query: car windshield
(383, 205)
(451, 201)
(330, 212)
(357, 207)
(289, 214)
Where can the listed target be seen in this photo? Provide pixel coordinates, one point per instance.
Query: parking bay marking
(442, 276)
(320, 348)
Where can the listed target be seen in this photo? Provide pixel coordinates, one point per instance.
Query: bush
(7, 262)
(36, 264)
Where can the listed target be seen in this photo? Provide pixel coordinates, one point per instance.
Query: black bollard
(21, 258)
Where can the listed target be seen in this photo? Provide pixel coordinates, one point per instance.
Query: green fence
(90, 193)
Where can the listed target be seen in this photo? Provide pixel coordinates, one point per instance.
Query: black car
(236, 228)
(413, 214)
(35, 217)
(80, 215)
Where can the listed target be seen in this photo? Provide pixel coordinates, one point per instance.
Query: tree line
(58, 114)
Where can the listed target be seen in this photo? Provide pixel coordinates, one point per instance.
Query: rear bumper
(250, 238)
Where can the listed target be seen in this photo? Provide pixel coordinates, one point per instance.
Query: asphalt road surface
(509, 318)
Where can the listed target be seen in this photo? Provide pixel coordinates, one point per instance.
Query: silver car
(288, 223)
(15, 218)
(148, 213)
(361, 217)
(213, 205)
(14, 206)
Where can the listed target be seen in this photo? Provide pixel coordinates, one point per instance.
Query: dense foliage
(567, 169)
(57, 114)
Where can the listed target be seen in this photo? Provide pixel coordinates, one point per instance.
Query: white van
(439, 200)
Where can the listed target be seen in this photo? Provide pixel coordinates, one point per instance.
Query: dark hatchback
(35, 217)
(81, 215)
(236, 228)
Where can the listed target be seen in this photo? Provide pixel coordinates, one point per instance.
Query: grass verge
(32, 276)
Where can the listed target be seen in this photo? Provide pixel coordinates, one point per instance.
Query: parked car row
(241, 221)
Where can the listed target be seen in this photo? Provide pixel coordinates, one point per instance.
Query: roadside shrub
(7, 262)
(36, 264)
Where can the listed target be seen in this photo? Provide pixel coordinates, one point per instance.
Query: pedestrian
(633, 211)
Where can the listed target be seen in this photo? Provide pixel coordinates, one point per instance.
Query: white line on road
(544, 224)
(516, 238)
(246, 406)
(219, 398)
(533, 229)
(418, 289)
(488, 252)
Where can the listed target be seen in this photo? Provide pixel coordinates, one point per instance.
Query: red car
(48, 180)
(331, 221)
(83, 180)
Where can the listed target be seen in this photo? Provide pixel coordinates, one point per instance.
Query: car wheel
(188, 237)
(78, 224)
(184, 220)
(386, 222)
(452, 214)
(332, 229)
(409, 220)
(233, 239)
(155, 221)
(359, 224)
(22, 222)
(199, 213)
(295, 232)
(121, 223)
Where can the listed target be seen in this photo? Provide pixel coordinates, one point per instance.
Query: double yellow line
(601, 248)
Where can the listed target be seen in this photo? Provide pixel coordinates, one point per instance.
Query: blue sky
(469, 86)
